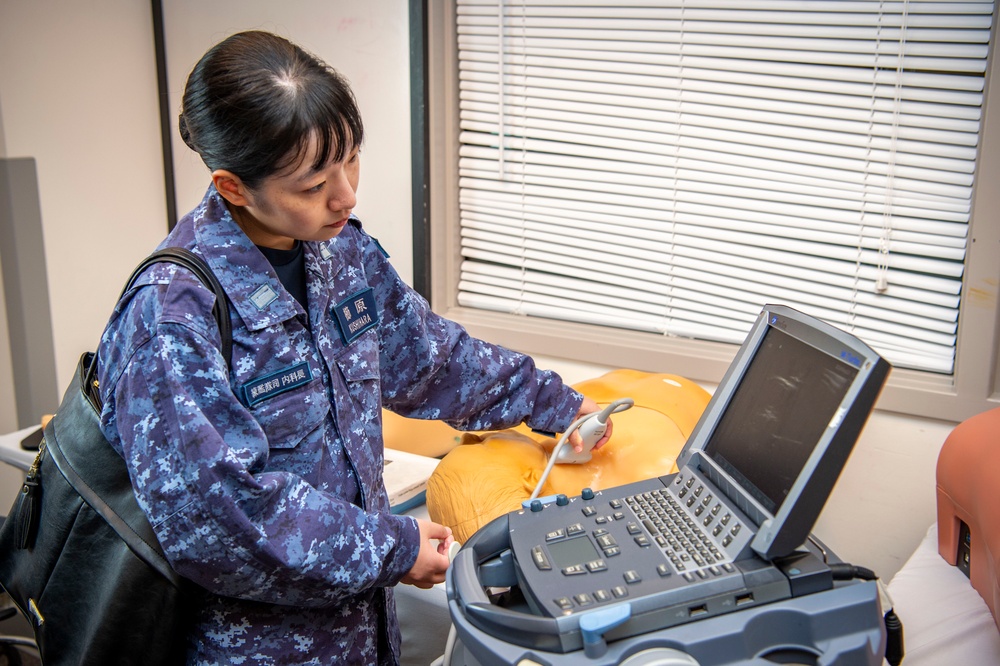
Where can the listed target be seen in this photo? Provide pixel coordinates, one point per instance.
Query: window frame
(973, 388)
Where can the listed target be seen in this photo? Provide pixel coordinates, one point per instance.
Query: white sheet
(945, 621)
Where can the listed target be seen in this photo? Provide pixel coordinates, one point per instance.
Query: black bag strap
(197, 265)
(194, 263)
(80, 451)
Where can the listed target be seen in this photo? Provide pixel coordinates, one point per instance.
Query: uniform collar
(247, 277)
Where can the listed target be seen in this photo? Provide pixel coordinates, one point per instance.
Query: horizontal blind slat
(687, 161)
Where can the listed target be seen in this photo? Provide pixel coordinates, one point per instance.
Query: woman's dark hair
(254, 100)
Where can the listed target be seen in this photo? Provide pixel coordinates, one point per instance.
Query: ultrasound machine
(712, 565)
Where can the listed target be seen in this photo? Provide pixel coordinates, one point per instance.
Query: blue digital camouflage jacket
(263, 478)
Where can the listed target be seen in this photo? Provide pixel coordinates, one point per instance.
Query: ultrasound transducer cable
(592, 427)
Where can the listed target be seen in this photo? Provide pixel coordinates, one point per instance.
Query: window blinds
(672, 166)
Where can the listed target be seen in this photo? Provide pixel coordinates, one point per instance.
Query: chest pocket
(288, 404)
(359, 366)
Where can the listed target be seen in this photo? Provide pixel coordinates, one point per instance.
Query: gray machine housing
(545, 583)
(495, 626)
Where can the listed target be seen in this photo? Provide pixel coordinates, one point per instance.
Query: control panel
(671, 545)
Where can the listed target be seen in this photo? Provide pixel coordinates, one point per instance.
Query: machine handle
(596, 623)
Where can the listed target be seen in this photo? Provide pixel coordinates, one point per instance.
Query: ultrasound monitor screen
(783, 404)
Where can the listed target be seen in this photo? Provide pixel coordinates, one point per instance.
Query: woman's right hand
(432, 560)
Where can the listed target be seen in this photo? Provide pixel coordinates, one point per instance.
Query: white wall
(8, 413)
(9, 477)
(78, 93)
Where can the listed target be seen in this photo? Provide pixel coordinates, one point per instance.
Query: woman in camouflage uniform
(263, 477)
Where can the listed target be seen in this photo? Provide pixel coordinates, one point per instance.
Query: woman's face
(301, 204)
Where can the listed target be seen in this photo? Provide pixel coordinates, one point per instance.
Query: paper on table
(405, 476)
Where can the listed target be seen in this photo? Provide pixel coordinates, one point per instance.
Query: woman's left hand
(432, 560)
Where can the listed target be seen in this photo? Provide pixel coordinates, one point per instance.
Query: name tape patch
(276, 383)
(355, 315)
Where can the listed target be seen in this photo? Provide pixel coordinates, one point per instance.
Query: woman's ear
(231, 187)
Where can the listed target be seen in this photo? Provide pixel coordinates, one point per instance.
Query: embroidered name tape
(355, 315)
(276, 383)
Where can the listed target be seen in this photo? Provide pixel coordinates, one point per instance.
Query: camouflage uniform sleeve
(226, 519)
(435, 370)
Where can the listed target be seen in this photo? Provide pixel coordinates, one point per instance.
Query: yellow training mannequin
(490, 474)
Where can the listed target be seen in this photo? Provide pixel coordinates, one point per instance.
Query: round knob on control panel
(561, 500)
(536, 506)
(587, 494)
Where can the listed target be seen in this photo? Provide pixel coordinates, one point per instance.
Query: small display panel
(570, 552)
(779, 411)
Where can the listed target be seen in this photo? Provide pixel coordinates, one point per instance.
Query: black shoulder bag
(77, 554)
